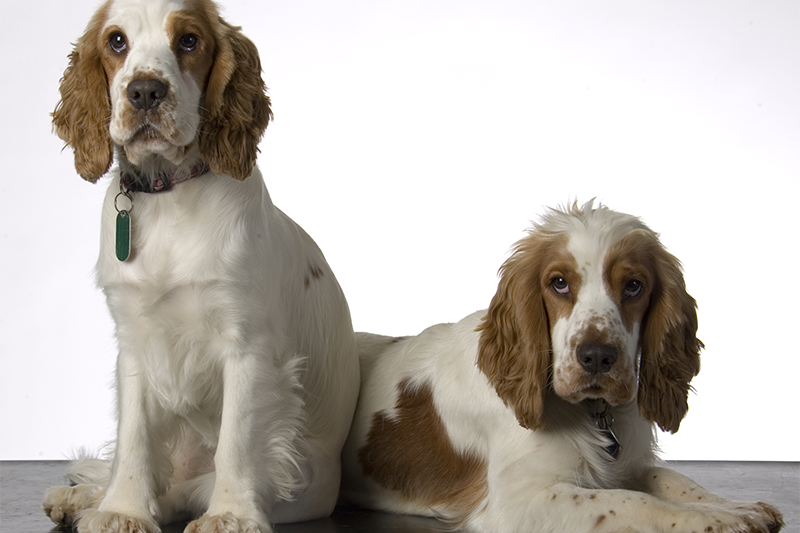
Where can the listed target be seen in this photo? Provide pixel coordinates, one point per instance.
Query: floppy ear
(82, 116)
(670, 348)
(514, 346)
(237, 108)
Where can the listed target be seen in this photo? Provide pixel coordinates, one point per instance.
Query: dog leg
(257, 457)
(130, 500)
(572, 508)
(669, 484)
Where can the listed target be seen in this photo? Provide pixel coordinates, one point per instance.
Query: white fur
(237, 373)
(555, 479)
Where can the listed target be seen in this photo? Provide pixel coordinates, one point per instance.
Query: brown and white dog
(237, 373)
(538, 415)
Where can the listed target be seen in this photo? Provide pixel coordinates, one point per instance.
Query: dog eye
(560, 285)
(632, 288)
(117, 42)
(188, 42)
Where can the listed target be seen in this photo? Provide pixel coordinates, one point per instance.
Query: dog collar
(133, 181)
(600, 413)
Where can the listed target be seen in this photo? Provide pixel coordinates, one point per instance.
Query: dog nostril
(146, 94)
(596, 358)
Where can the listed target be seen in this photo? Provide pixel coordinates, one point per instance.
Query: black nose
(146, 94)
(596, 358)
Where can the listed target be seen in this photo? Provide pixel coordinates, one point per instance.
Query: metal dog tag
(123, 243)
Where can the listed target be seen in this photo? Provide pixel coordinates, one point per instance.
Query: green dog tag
(123, 235)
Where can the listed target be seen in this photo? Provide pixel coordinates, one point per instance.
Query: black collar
(133, 181)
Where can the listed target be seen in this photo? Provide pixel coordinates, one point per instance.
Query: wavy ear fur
(670, 348)
(237, 109)
(514, 348)
(82, 116)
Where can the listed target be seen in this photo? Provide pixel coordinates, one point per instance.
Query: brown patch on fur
(514, 347)
(313, 272)
(630, 259)
(670, 348)
(112, 61)
(82, 116)
(197, 21)
(410, 452)
(594, 332)
(560, 264)
(236, 106)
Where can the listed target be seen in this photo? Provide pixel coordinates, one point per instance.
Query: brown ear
(670, 348)
(514, 346)
(237, 108)
(82, 116)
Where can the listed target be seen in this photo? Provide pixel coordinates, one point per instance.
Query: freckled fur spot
(313, 273)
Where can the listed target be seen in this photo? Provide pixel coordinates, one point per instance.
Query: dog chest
(180, 339)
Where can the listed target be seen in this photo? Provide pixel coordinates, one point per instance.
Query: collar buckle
(600, 413)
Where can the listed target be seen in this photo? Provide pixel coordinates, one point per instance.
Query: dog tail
(87, 468)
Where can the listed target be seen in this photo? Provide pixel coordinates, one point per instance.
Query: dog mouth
(593, 391)
(149, 140)
(592, 388)
(147, 133)
(614, 391)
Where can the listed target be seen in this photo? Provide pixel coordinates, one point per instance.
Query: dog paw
(63, 505)
(770, 516)
(227, 523)
(743, 518)
(95, 521)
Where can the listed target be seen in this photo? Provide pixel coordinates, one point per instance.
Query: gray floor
(22, 484)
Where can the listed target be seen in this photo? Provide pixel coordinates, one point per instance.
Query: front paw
(227, 523)
(771, 516)
(95, 521)
(63, 505)
(741, 518)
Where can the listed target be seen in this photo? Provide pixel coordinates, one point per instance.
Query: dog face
(157, 58)
(596, 297)
(164, 81)
(591, 305)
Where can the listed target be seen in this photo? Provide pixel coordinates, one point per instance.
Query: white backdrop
(414, 140)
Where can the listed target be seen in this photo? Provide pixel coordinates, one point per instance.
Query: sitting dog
(237, 375)
(538, 414)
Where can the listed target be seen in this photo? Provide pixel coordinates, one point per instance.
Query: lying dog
(237, 374)
(538, 415)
